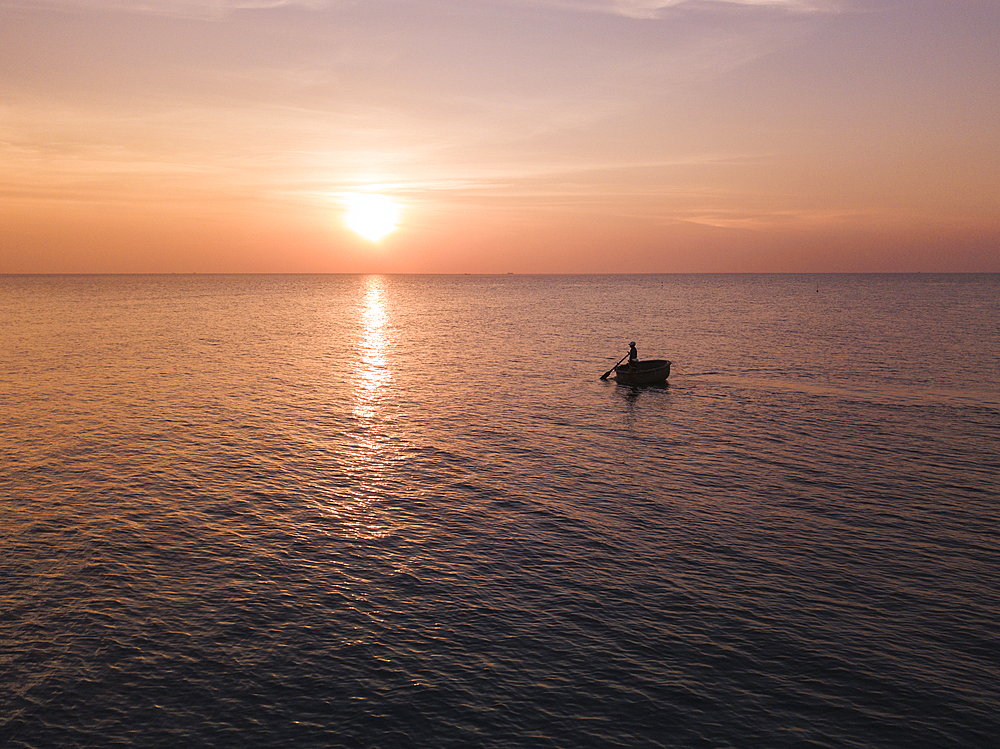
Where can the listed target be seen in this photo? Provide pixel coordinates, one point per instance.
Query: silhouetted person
(633, 355)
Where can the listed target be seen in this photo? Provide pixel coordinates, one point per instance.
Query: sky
(506, 136)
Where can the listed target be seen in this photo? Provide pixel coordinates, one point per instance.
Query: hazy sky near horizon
(514, 135)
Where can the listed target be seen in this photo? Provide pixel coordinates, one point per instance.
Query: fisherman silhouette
(633, 355)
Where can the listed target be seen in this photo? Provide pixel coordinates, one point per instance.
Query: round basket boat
(647, 372)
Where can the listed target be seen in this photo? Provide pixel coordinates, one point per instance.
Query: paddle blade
(607, 374)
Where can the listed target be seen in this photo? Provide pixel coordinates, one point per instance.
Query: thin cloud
(181, 8)
(638, 9)
(654, 9)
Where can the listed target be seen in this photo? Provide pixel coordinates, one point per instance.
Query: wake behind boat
(648, 372)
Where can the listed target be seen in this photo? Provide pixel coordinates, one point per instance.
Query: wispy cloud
(638, 9)
(183, 8)
(653, 9)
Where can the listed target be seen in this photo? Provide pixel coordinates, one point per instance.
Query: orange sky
(515, 135)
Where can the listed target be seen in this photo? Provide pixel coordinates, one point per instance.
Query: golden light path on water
(372, 453)
(375, 374)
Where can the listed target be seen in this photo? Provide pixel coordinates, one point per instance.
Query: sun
(370, 215)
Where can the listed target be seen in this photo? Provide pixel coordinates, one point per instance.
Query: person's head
(632, 344)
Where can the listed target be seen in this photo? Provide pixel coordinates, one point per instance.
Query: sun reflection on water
(375, 373)
(370, 459)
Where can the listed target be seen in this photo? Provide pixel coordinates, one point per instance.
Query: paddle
(607, 374)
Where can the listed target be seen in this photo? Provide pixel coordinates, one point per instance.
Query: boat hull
(647, 372)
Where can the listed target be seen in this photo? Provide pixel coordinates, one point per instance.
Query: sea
(406, 511)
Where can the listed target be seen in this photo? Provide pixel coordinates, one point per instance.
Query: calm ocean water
(320, 511)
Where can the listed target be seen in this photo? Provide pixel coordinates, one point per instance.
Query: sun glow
(370, 215)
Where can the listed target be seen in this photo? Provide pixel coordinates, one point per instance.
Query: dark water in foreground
(404, 511)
